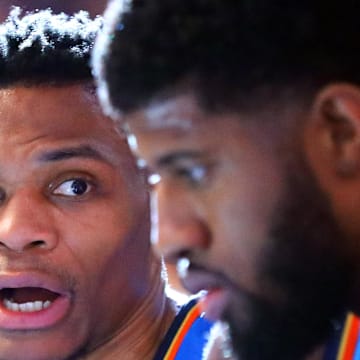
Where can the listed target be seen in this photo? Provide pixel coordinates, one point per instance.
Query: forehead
(269, 116)
(179, 125)
(181, 120)
(54, 114)
(178, 114)
(45, 106)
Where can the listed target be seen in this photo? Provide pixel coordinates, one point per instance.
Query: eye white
(68, 188)
(198, 173)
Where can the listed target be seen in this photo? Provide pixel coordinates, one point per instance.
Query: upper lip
(198, 279)
(19, 279)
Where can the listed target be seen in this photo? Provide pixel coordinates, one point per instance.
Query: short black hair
(226, 46)
(45, 48)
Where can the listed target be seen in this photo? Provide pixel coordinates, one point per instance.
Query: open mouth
(27, 299)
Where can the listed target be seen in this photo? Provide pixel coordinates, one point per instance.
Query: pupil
(79, 187)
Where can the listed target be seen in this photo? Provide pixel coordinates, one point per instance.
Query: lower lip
(214, 303)
(13, 320)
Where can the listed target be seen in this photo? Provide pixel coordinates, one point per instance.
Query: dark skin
(73, 220)
(279, 205)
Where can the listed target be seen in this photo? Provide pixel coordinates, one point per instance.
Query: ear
(332, 149)
(335, 129)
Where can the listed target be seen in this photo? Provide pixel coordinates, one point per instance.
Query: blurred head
(247, 115)
(75, 262)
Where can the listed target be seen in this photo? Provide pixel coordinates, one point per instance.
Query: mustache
(37, 264)
(197, 273)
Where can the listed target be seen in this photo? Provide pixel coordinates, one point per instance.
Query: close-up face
(241, 214)
(74, 252)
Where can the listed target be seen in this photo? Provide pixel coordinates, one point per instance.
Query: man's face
(240, 213)
(74, 253)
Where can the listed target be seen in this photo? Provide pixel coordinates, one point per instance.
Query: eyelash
(90, 183)
(66, 193)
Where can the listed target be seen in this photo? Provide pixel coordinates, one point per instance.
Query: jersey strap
(187, 336)
(349, 345)
(345, 344)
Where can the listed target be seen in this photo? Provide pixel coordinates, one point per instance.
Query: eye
(194, 175)
(73, 187)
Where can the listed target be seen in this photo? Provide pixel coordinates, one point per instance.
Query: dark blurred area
(94, 7)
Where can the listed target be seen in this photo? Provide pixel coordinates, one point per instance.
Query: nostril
(18, 242)
(31, 245)
(37, 243)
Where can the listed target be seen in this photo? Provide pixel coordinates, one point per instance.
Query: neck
(144, 331)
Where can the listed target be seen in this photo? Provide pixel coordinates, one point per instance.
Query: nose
(26, 223)
(178, 229)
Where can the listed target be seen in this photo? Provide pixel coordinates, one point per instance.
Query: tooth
(30, 306)
(14, 306)
(46, 304)
(38, 305)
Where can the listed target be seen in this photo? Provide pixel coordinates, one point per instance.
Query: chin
(42, 349)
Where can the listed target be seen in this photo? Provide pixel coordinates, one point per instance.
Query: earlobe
(336, 112)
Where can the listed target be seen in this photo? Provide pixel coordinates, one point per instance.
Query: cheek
(111, 255)
(241, 226)
(95, 232)
(242, 237)
(244, 209)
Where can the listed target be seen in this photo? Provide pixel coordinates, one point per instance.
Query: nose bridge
(180, 227)
(173, 206)
(25, 222)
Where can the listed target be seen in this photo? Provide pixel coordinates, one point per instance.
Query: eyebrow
(83, 151)
(174, 157)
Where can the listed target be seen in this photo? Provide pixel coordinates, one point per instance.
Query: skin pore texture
(241, 212)
(74, 221)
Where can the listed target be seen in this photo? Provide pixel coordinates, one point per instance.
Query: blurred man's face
(74, 252)
(244, 220)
